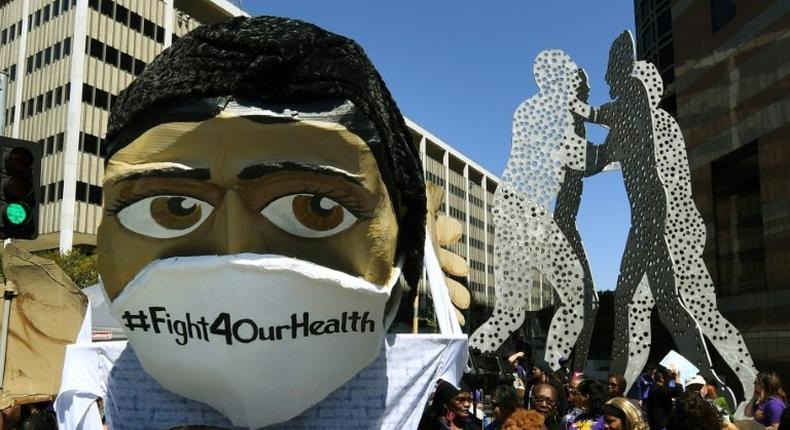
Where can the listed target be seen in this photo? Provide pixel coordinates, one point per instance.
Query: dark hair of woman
(692, 412)
(506, 398)
(596, 396)
(772, 385)
(620, 380)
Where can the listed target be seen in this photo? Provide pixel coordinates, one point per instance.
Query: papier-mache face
(261, 196)
(228, 185)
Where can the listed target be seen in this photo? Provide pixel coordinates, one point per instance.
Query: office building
(729, 85)
(66, 62)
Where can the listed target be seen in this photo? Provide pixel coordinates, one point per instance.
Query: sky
(460, 68)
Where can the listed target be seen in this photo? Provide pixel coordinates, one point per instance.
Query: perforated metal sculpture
(547, 154)
(667, 237)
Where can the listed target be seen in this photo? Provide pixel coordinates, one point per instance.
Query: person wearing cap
(697, 384)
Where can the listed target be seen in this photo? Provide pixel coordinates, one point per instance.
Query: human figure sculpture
(546, 146)
(662, 264)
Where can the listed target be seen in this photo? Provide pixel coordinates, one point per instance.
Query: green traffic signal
(16, 213)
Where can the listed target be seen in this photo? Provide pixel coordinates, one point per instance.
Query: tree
(79, 264)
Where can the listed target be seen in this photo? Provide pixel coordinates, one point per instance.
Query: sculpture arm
(598, 157)
(582, 109)
(602, 114)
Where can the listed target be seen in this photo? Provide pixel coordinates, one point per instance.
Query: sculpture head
(648, 74)
(622, 55)
(259, 174)
(555, 71)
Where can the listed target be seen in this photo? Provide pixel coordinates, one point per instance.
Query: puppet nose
(238, 227)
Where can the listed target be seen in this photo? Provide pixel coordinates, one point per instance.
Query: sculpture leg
(582, 347)
(564, 271)
(510, 266)
(679, 321)
(700, 298)
(631, 273)
(639, 311)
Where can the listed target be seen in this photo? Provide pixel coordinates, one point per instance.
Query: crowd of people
(535, 397)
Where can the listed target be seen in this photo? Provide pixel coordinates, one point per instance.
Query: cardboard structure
(46, 310)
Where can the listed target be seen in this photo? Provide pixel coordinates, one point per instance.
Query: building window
(721, 12)
(740, 253)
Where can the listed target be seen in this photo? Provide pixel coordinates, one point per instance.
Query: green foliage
(79, 264)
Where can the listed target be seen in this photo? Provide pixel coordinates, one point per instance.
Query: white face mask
(260, 338)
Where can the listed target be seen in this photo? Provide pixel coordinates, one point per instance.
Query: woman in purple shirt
(768, 402)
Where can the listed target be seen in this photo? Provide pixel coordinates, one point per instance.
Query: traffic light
(20, 181)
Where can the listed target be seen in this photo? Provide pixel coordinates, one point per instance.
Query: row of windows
(436, 179)
(52, 144)
(92, 144)
(128, 18)
(458, 191)
(46, 101)
(52, 192)
(477, 265)
(11, 72)
(457, 214)
(9, 34)
(88, 143)
(113, 56)
(50, 11)
(97, 97)
(87, 193)
(9, 115)
(477, 222)
(476, 286)
(49, 55)
(477, 201)
(475, 243)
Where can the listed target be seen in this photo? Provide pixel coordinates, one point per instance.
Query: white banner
(389, 394)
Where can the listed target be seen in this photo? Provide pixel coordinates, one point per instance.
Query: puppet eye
(309, 215)
(164, 217)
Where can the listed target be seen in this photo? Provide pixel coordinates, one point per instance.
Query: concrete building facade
(66, 62)
(730, 90)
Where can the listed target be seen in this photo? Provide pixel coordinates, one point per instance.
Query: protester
(575, 410)
(696, 384)
(692, 412)
(545, 400)
(641, 387)
(768, 402)
(658, 404)
(523, 419)
(564, 372)
(615, 385)
(590, 399)
(449, 410)
(712, 395)
(504, 402)
(621, 414)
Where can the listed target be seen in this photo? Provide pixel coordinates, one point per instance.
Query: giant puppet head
(262, 195)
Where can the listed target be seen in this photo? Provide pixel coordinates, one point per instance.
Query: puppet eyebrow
(169, 172)
(259, 170)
